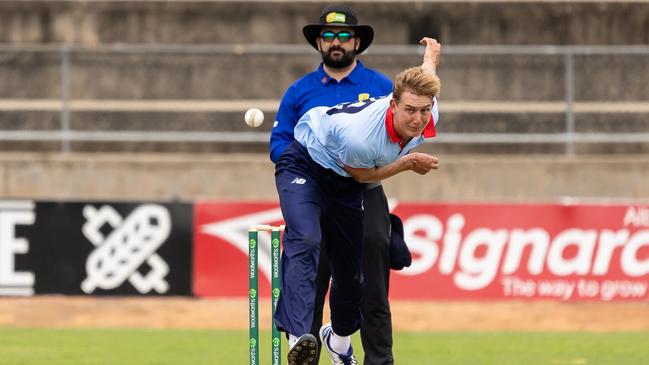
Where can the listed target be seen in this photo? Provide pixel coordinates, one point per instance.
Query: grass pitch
(196, 347)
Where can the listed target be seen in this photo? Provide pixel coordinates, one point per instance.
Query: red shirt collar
(429, 130)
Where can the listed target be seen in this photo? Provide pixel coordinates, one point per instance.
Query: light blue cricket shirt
(359, 135)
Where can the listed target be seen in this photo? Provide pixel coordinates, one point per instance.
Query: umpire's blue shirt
(318, 89)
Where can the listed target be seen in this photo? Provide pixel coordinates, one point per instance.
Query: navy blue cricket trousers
(316, 201)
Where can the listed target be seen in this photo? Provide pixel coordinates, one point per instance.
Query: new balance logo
(298, 180)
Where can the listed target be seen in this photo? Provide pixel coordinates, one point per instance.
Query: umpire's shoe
(304, 351)
(336, 358)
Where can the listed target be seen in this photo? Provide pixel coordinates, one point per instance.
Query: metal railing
(66, 135)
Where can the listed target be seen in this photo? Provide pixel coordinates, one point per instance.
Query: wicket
(276, 340)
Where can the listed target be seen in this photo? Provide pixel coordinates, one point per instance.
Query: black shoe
(304, 351)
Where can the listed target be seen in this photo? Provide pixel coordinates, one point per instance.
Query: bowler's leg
(321, 287)
(301, 209)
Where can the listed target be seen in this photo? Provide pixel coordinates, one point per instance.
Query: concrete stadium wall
(97, 22)
(155, 75)
(97, 75)
(250, 177)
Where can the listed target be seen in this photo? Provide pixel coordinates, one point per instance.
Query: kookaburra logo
(132, 241)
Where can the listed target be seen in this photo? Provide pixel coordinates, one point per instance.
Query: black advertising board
(95, 248)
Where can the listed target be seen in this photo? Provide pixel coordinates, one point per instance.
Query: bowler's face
(411, 114)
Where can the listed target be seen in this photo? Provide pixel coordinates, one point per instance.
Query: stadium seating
(196, 66)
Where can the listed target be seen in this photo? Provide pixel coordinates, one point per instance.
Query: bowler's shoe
(336, 358)
(304, 351)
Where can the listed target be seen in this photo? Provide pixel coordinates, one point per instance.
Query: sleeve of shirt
(282, 133)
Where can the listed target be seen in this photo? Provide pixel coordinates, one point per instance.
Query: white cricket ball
(254, 117)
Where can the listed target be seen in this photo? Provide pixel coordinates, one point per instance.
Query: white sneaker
(304, 351)
(336, 358)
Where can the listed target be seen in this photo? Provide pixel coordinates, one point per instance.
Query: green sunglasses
(343, 36)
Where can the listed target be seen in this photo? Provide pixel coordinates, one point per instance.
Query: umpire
(342, 78)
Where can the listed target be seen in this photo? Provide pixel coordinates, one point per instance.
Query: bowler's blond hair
(416, 81)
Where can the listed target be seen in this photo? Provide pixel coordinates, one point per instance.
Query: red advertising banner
(221, 247)
(464, 251)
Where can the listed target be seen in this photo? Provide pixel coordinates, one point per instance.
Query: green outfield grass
(195, 347)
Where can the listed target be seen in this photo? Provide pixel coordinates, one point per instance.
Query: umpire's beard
(342, 61)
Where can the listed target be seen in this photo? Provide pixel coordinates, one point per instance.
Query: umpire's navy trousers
(316, 201)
